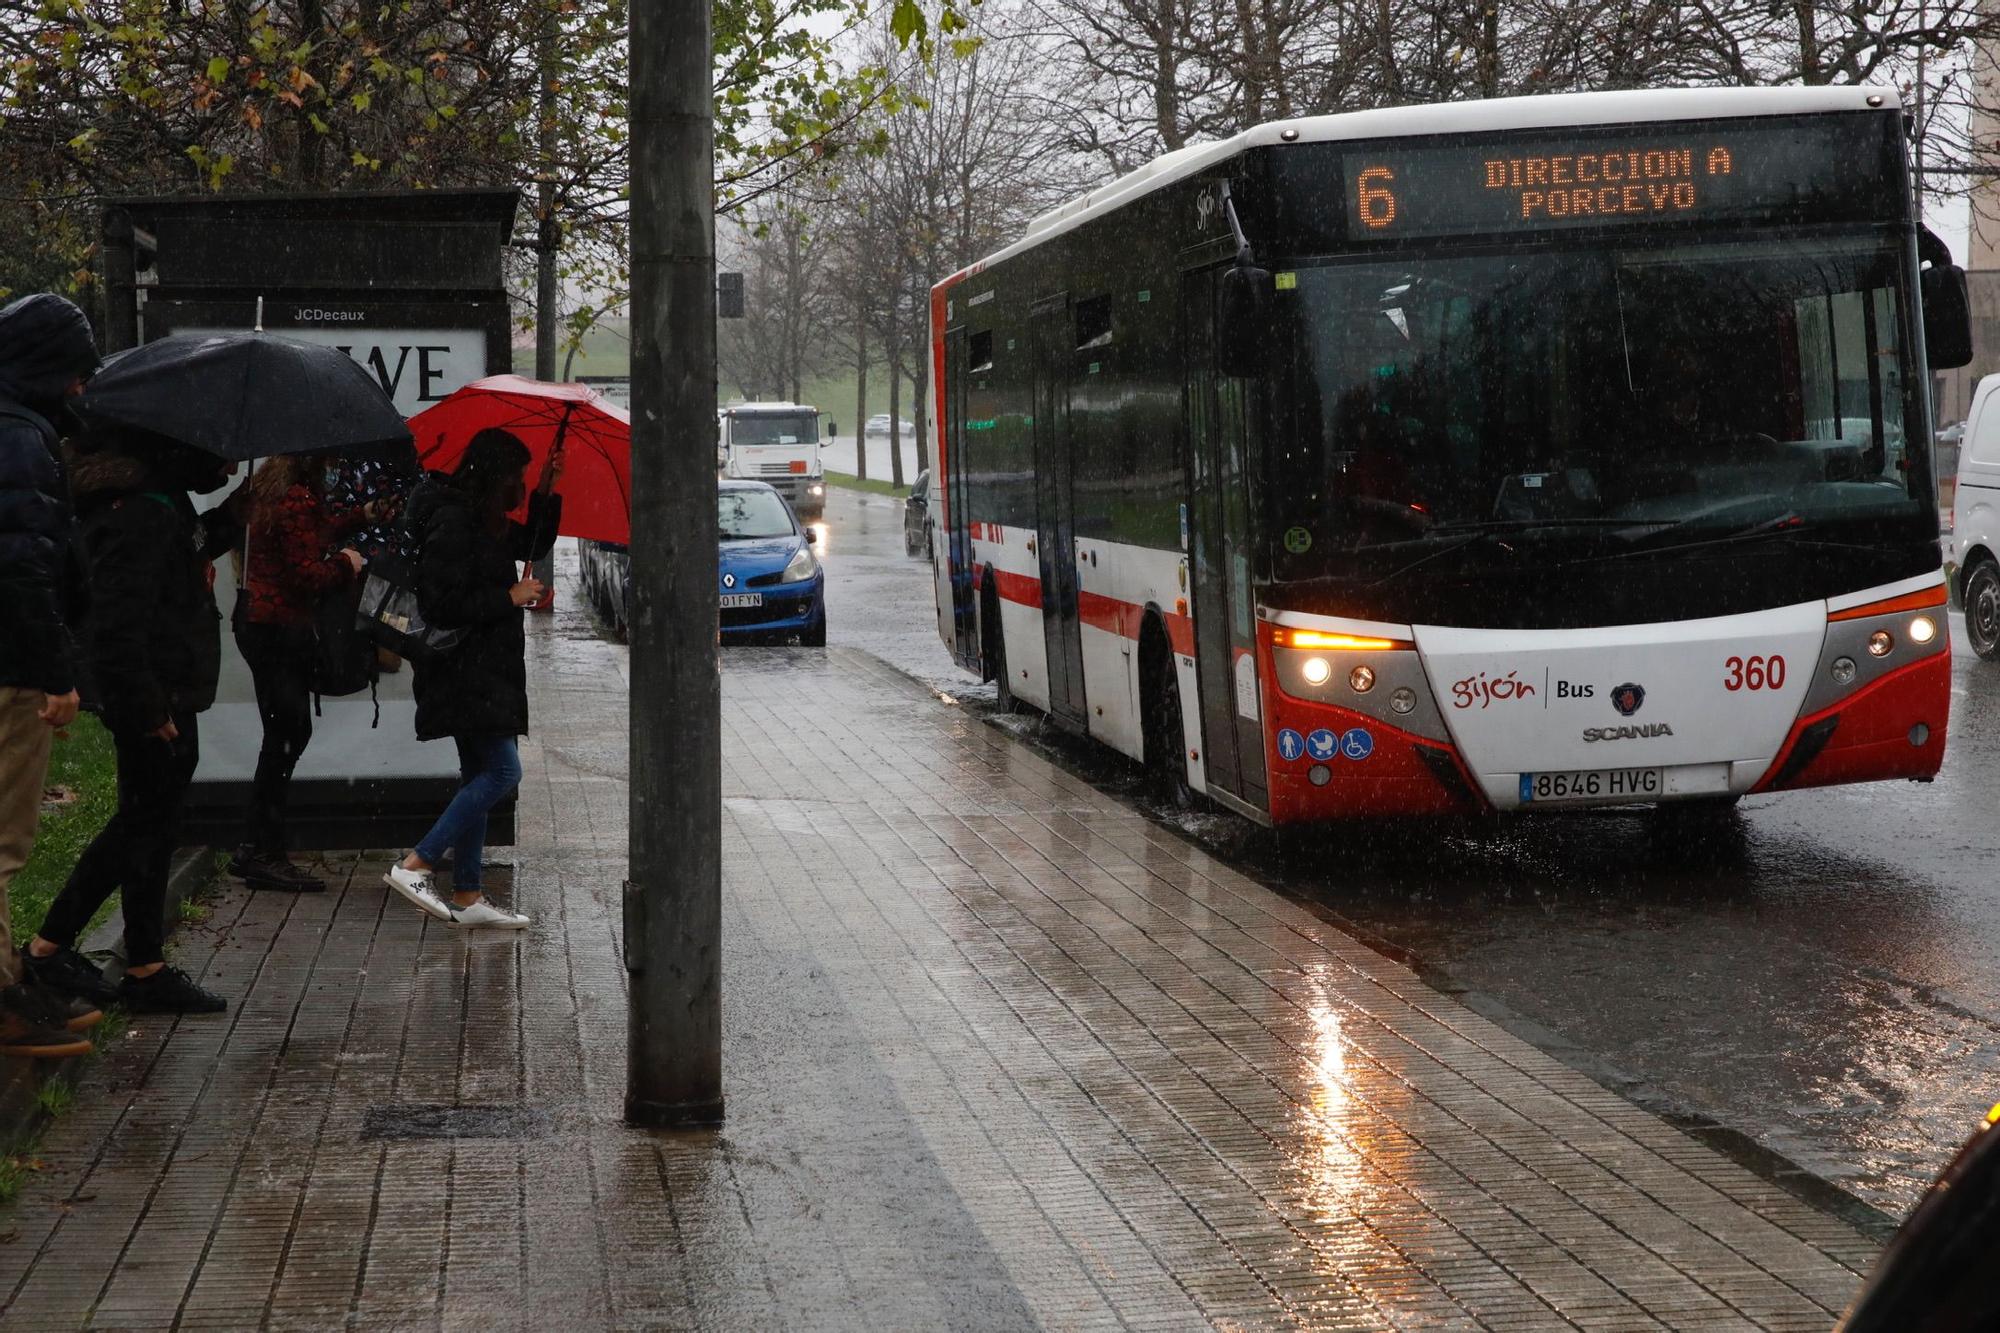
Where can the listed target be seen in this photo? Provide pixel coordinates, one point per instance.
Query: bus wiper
(1485, 530)
(1784, 525)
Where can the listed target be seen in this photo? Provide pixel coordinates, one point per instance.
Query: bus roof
(1552, 111)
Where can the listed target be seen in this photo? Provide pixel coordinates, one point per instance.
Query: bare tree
(968, 155)
(785, 335)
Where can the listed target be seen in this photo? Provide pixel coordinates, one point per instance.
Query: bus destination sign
(1693, 176)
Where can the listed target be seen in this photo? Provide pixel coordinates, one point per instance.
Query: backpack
(388, 614)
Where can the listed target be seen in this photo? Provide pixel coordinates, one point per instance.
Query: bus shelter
(412, 286)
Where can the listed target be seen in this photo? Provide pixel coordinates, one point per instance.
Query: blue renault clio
(772, 586)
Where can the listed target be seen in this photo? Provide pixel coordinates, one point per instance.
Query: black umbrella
(247, 395)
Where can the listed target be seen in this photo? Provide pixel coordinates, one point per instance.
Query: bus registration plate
(733, 599)
(1594, 784)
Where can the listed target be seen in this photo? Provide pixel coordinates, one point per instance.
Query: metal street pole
(548, 233)
(673, 902)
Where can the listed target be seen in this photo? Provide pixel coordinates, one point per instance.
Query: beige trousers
(24, 766)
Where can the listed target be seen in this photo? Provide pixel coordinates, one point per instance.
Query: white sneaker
(483, 913)
(415, 885)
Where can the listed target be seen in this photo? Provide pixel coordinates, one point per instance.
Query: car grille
(775, 469)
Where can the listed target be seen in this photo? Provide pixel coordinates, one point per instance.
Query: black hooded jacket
(153, 639)
(464, 573)
(45, 346)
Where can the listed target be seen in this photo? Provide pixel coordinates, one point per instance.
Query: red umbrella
(596, 438)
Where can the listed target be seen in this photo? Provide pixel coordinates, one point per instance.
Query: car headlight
(801, 567)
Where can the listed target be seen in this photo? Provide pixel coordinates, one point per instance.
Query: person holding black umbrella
(164, 419)
(154, 649)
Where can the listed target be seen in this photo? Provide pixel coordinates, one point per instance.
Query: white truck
(776, 443)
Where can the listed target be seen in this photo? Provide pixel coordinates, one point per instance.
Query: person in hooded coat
(476, 693)
(46, 354)
(153, 644)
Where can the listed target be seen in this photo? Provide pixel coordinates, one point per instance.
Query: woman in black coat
(476, 692)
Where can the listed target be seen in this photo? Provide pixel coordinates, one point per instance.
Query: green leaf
(907, 22)
(218, 69)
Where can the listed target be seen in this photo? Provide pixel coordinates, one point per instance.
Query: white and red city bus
(1537, 452)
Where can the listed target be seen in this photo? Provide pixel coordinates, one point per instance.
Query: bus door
(948, 475)
(1217, 413)
(1055, 508)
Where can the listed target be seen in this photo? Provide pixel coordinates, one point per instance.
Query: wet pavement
(1000, 1052)
(1816, 980)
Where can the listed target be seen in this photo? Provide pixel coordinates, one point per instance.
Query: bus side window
(1093, 322)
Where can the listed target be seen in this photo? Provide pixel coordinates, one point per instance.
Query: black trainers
(67, 972)
(50, 1009)
(168, 991)
(273, 871)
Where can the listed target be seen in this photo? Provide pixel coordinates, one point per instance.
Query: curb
(22, 1117)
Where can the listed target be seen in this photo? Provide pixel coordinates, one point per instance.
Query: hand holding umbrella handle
(552, 468)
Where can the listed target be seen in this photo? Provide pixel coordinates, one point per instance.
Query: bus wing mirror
(1947, 316)
(1243, 321)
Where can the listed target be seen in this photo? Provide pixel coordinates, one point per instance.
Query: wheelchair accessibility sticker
(1322, 745)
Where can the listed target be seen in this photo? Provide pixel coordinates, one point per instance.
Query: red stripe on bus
(1024, 589)
(1126, 619)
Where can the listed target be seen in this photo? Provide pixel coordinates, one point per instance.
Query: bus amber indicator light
(1921, 600)
(1314, 638)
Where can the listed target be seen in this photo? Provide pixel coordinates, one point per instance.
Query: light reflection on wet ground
(1820, 973)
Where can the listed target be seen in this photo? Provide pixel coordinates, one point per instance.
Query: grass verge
(84, 770)
(872, 486)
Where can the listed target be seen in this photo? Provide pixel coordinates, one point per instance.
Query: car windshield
(747, 515)
(789, 428)
(1616, 398)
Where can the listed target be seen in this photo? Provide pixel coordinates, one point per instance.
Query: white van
(1975, 520)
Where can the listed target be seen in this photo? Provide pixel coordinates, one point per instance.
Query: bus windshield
(1436, 416)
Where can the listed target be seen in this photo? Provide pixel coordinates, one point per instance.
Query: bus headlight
(1880, 643)
(1923, 629)
(1403, 699)
(1843, 670)
(1361, 679)
(1316, 670)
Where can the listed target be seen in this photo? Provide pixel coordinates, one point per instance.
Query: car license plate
(733, 599)
(1594, 784)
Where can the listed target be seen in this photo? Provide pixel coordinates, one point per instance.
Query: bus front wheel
(1982, 609)
(994, 649)
(1165, 736)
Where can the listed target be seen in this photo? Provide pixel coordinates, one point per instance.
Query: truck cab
(776, 443)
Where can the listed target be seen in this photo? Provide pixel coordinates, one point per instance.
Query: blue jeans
(489, 767)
